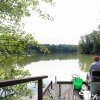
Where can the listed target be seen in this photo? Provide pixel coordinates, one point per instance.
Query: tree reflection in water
(10, 70)
(84, 62)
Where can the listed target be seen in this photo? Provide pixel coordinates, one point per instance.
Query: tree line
(90, 43)
(48, 48)
(61, 48)
(26, 44)
(13, 43)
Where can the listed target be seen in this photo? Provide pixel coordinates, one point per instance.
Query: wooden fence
(24, 80)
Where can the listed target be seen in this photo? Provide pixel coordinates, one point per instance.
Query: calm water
(61, 66)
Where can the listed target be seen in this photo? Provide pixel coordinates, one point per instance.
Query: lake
(61, 66)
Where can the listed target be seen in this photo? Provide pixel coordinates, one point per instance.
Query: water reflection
(46, 57)
(10, 70)
(60, 65)
(84, 62)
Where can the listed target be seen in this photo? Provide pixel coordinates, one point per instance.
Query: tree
(13, 43)
(90, 44)
(12, 48)
(10, 71)
(12, 11)
(61, 48)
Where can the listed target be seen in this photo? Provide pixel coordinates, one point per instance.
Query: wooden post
(40, 95)
(55, 79)
(51, 84)
(59, 90)
(24, 80)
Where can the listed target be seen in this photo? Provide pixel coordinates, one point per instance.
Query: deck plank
(66, 92)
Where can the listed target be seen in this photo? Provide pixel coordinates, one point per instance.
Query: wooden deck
(61, 91)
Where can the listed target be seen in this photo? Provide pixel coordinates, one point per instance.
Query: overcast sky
(72, 18)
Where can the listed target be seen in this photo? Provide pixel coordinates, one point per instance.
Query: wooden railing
(46, 89)
(24, 80)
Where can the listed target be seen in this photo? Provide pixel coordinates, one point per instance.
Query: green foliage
(13, 43)
(15, 92)
(12, 48)
(90, 44)
(9, 69)
(12, 11)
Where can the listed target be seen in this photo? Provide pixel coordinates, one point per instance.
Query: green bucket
(77, 83)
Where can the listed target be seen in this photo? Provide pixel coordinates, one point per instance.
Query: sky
(72, 19)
